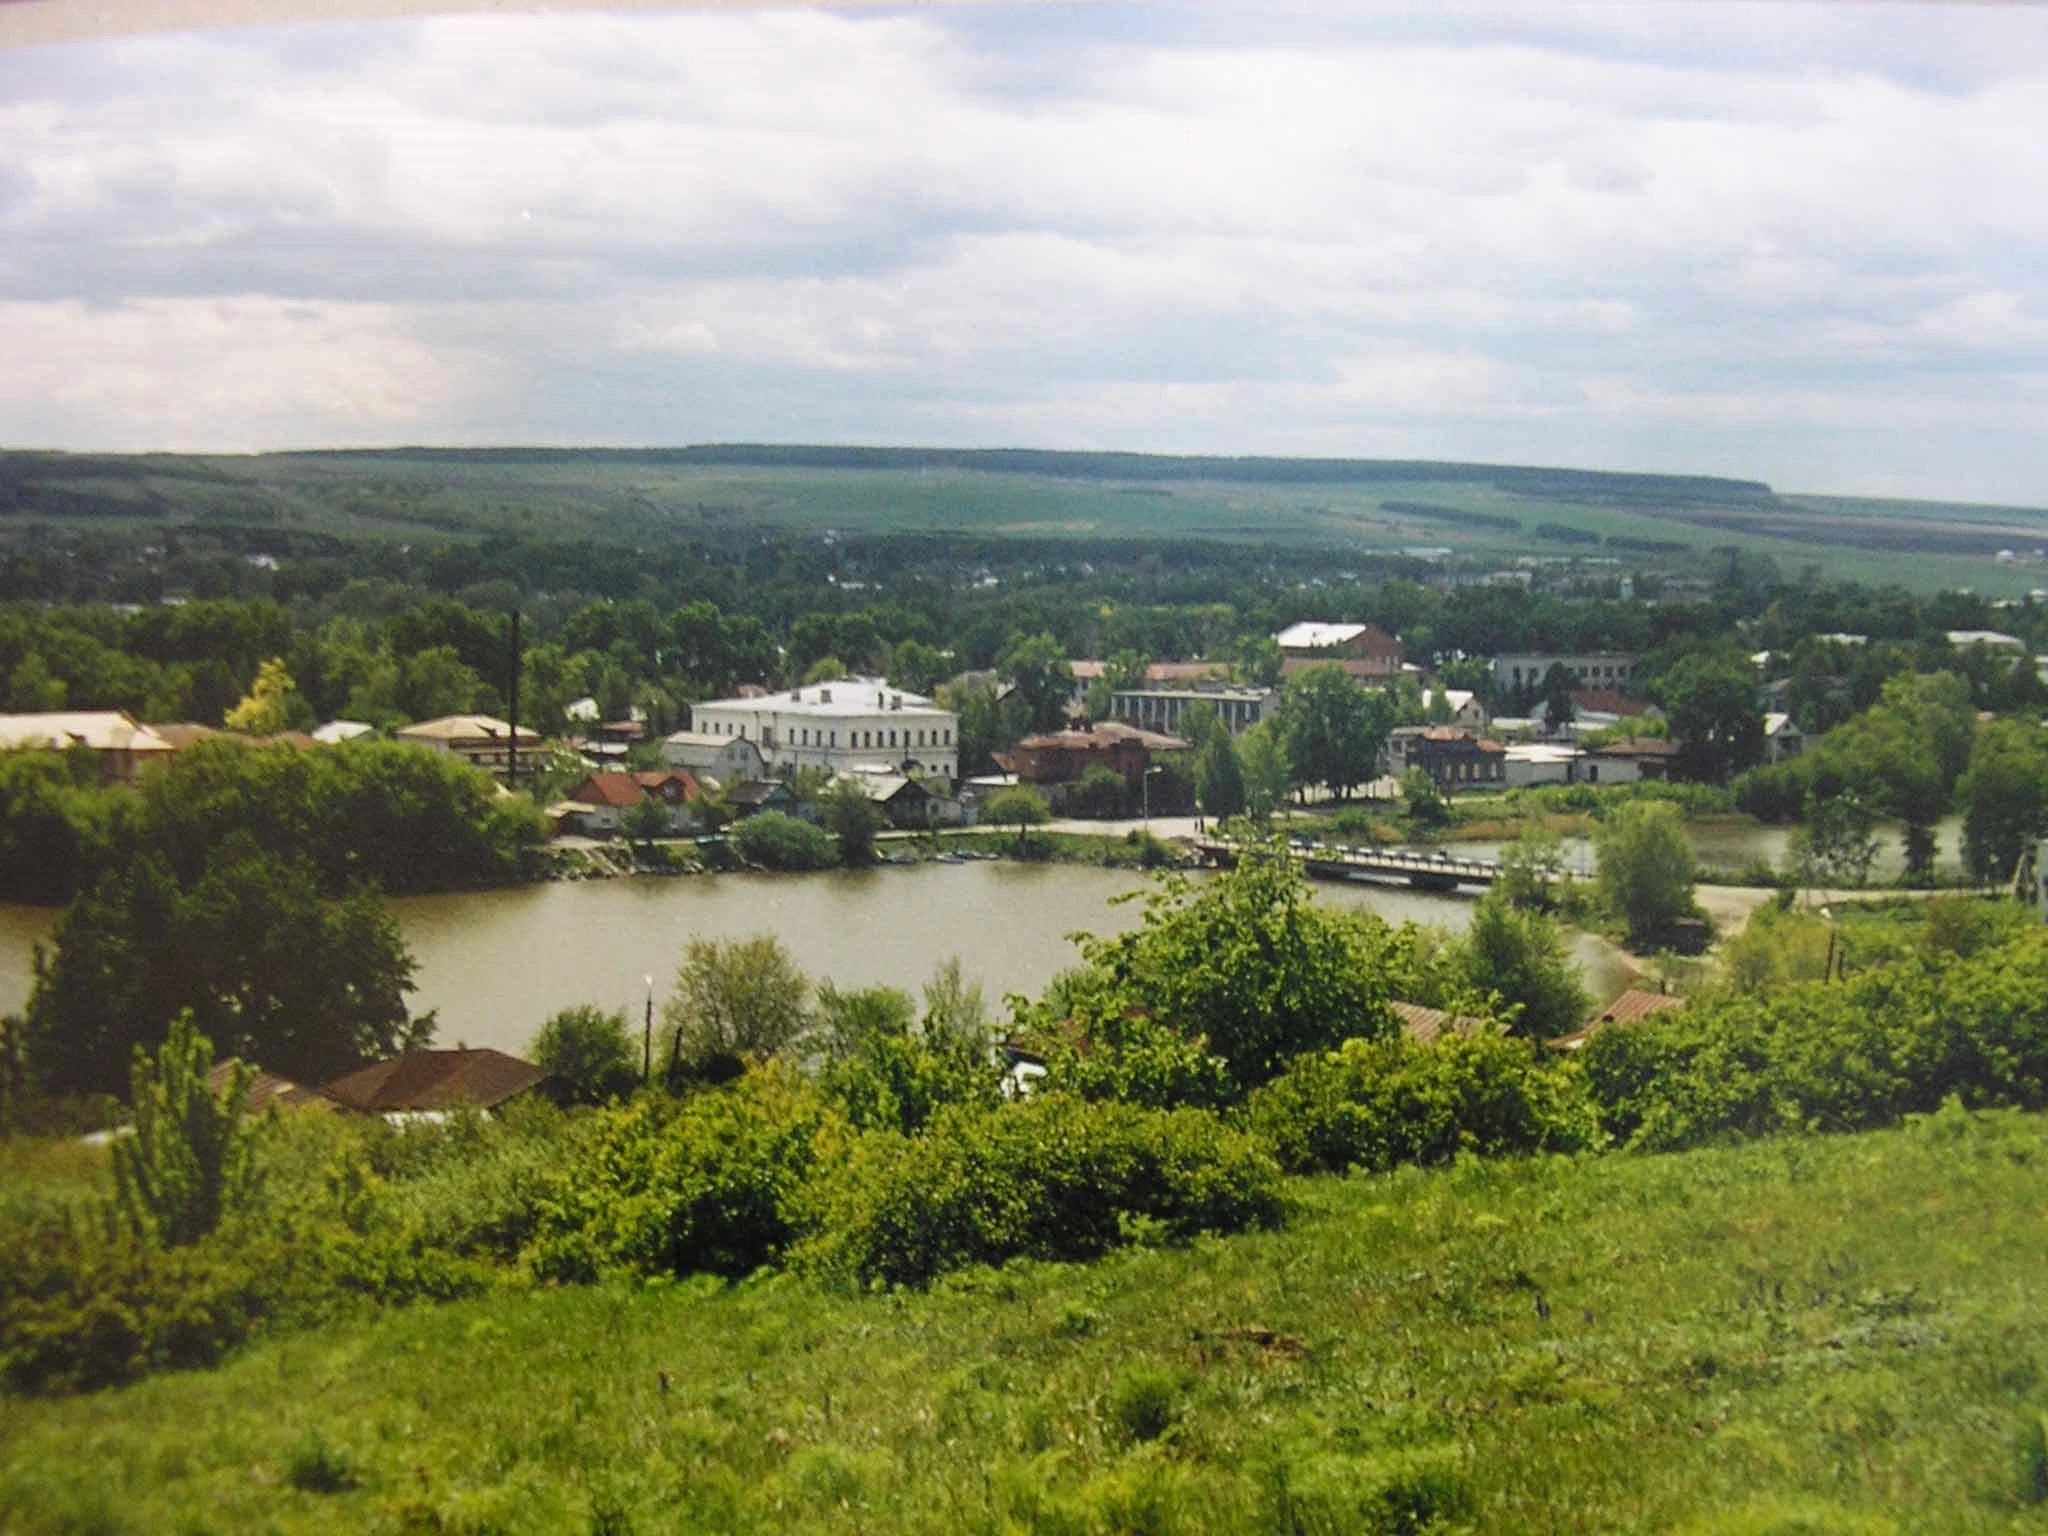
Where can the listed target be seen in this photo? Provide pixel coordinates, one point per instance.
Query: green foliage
(852, 819)
(1646, 868)
(1268, 773)
(1219, 776)
(188, 1165)
(715, 1184)
(1382, 1103)
(1100, 793)
(317, 1465)
(1520, 957)
(1248, 962)
(1426, 805)
(1144, 1402)
(2004, 797)
(1411, 1491)
(1018, 806)
(1335, 730)
(1053, 1177)
(734, 1000)
(1710, 701)
(772, 840)
(1835, 845)
(1132, 1058)
(1037, 668)
(589, 1053)
(887, 1068)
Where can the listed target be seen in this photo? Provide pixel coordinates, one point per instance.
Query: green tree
(189, 1164)
(1426, 804)
(853, 819)
(735, 1000)
(1267, 772)
(267, 708)
(1038, 669)
(2004, 797)
(988, 724)
(645, 820)
(1335, 730)
(1646, 867)
(1018, 806)
(773, 840)
(1246, 962)
(1834, 844)
(1219, 776)
(590, 1055)
(1258, 661)
(917, 666)
(1521, 956)
(1100, 793)
(1558, 709)
(826, 669)
(1710, 700)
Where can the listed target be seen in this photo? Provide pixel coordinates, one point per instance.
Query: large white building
(854, 724)
(1517, 672)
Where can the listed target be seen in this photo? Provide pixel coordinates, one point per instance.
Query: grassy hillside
(1814, 1335)
(638, 496)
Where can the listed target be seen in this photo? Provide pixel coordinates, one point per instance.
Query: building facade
(1521, 672)
(848, 726)
(1162, 709)
(1362, 650)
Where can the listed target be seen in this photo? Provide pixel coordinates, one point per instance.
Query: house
(265, 1089)
(1463, 703)
(1541, 762)
(1595, 709)
(121, 744)
(1362, 650)
(728, 759)
(1625, 762)
(1632, 1005)
(335, 732)
(1455, 758)
(1162, 709)
(1056, 761)
(907, 804)
(751, 796)
(1990, 639)
(1521, 673)
(434, 1082)
(847, 725)
(1426, 1026)
(604, 798)
(482, 741)
(1782, 738)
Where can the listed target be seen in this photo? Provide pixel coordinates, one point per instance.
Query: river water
(494, 964)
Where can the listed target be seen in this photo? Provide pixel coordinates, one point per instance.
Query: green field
(1815, 1335)
(634, 497)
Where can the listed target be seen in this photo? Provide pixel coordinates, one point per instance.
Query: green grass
(1798, 1335)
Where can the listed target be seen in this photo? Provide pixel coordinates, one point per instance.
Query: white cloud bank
(1775, 241)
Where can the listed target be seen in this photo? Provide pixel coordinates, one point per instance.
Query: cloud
(1628, 234)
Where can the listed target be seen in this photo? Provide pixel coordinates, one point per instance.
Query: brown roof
(1425, 1026)
(617, 790)
(1607, 702)
(265, 1089)
(1101, 737)
(481, 1079)
(1633, 1005)
(652, 779)
(1640, 746)
(1447, 733)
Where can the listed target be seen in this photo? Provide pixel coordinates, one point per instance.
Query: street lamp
(1145, 791)
(647, 1035)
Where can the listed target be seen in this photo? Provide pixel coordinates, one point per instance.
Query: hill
(1825, 1335)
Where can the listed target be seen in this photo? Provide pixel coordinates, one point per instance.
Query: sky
(1800, 243)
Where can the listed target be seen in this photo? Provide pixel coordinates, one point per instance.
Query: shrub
(1144, 1402)
(589, 1055)
(1400, 1492)
(775, 841)
(1378, 1104)
(188, 1163)
(1054, 1177)
(714, 1184)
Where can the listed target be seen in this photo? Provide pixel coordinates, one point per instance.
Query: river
(493, 964)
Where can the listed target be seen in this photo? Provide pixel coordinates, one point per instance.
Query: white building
(854, 724)
(1990, 639)
(1516, 672)
(728, 759)
(1163, 709)
(1782, 738)
(1542, 762)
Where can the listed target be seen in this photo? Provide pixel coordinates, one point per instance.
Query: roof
(1542, 752)
(1963, 638)
(847, 696)
(334, 732)
(1444, 735)
(479, 1078)
(653, 778)
(102, 730)
(265, 1089)
(1103, 737)
(465, 728)
(1606, 701)
(1311, 636)
(1425, 1026)
(1633, 1005)
(708, 741)
(756, 791)
(1640, 746)
(617, 790)
(1774, 722)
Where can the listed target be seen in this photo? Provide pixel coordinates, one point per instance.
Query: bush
(1054, 1177)
(1378, 1104)
(714, 1184)
(772, 840)
(588, 1054)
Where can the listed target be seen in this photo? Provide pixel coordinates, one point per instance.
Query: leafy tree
(589, 1053)
(853, 819)
(437, 682)
(1520, 956)
(1247, 962)
(2004, 797)
(645, 820)
(189, 1163)
(1219, 776)
(1335, 730)
(988, 724)
(1710, 700)
(826, 669)
(1018, 806)
(1834, 845)
(272, 969)
(1267, 772)
(1426, 804)
(1646, 867)
(1259, 661)
(917, 666)
(735, 1000)
(267, 708)
(1529, 866)
(1101, 792)
(773, 840)
(954, 1007)
(1038, 668)
(1438, 710)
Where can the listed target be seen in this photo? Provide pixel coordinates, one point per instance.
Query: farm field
(1802, 1334)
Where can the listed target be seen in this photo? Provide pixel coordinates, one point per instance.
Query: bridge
(1429, 871)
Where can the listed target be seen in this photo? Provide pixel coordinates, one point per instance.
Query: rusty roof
(1633, 1005)
(1426, 1026)
(617, 790)
(266, 1089)
(479, 1079)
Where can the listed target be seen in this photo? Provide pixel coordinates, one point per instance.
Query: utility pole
(647, 1037)
(512, 700)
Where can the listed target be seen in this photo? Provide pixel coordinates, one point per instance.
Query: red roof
(617, 790)
(1425, 1026)
(265, 1089)
(1104, 736)
(426, 1080)
(652, 780)
(1606, 701)
(1640, 746)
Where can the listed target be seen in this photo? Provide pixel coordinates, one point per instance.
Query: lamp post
(647, 1036)
(1145, 792)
